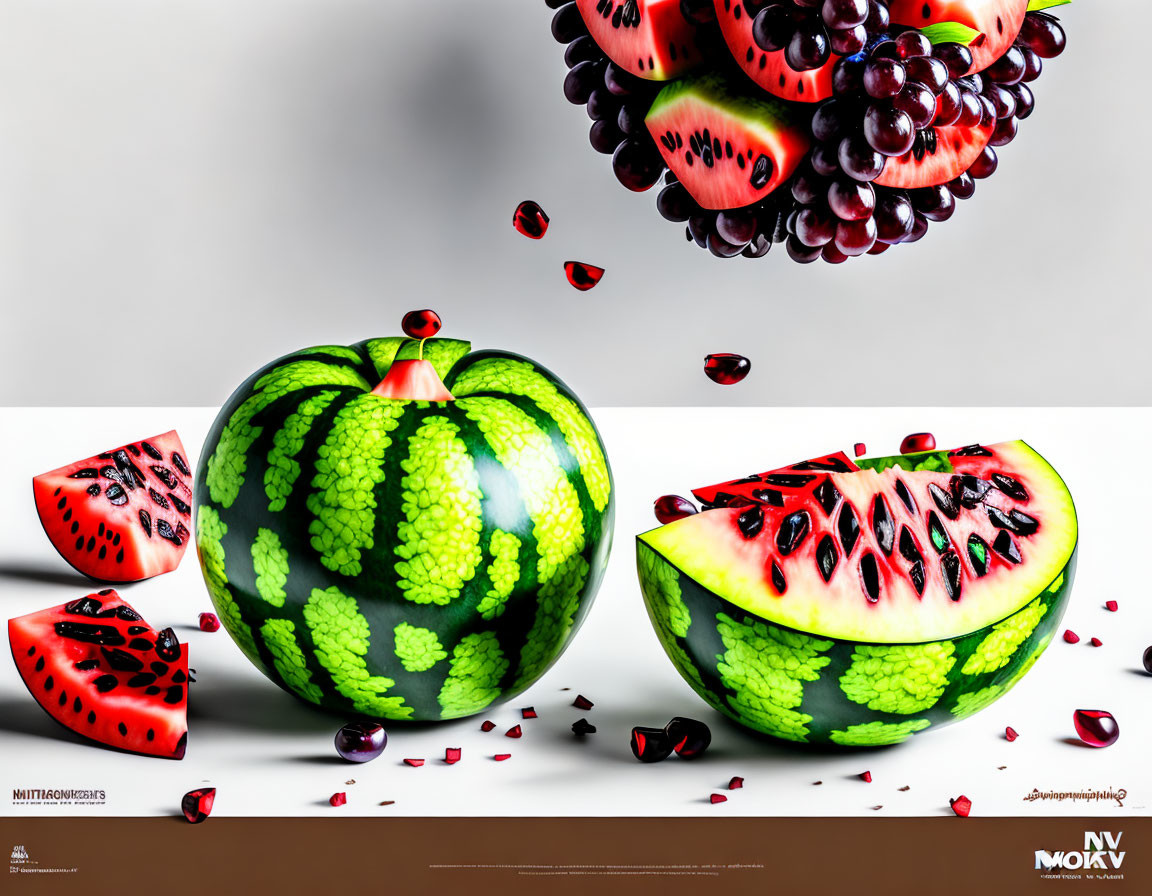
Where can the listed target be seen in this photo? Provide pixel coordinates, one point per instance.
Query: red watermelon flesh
(770, 70)
(123, 515)
(99, 669)
(998, 22)
(772, 487)
(945, 154)
(649, 38)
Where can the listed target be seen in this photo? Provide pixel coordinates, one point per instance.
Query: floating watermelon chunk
(123, 515)
(649, 38)
(997, 21)
(943, 154)
(728, 150)
(861, 607)
(99, 669)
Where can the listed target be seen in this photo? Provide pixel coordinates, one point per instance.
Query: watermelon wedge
(649, 38)
(861, 607)
(99, 669)
(996, 21)
(122, 515)
(939, 155)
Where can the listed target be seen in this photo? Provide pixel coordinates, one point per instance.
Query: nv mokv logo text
(1101, 851)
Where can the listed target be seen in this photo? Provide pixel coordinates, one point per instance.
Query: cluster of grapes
(810, 31)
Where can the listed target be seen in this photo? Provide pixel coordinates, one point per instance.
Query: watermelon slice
(923, 582)
(729, 150)
(997, 21)
(938, 156)
(122, 515)
(99, 669)
(649, 38)
(770, 70)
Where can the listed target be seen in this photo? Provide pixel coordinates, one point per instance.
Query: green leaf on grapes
(1037, 5)
(949, 33)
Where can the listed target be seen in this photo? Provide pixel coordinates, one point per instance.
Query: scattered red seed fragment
(726, 368)
(817, 782)
(860, 448)
(1096, 642)
(209, 622)
(530, 220)
(1010, 734)
(1001, 767)
(500, 757)
(487, 725)
(736, 783)
(1112, 605)
(350, 781)
(917, 441)
(961, 805)
(388, 802)
(718, 798)
(866, 777)
(451, 755)
(582, 276)
(877, 807)
(514, 731)
(1071, 637)
(904, 789)
(338, 799)
(415, 763)
(528, 712)
(582, 702)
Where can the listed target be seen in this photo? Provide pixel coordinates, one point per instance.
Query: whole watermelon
(403, 559)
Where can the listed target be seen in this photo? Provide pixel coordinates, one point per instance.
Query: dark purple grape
(832, 255)
(855, 237)
(808, 186)
(772, 28)
(878, 19)
(736, 227)
(957, 57)
(910, 44)
(1009, 68)
(888, 130)
(847, 76)
(699, 226)
(841, 14)
(851, 200)
(583, 49)
(630, 119)
(605, 137)
(702, 12)
(884, 78)
(815, 227)
(1003, 100)
(848, 41)
(1042, 34)
(554, 4)
(934, 203)
(721, 248)
(987, 111)
(758, 248)
(568, 24)
(859, 160)
(800, 253)
(620, 82)
(970, 109)
(580, 81)
(929, 71)
(361, 741)
(808, 47)
(962, 186)
(1033, 64)
(974, 82)
(602, 104)
(828, 120)
(824, 159)
(637, 164)
(675, 204)
(651, 744)
(879, 248)
(807, 4)
(893, 215)
(918, 102)
(948, 105)
(919, 228)
(690, 738)
(1025, 102)
(1004, 132)
(985, 164)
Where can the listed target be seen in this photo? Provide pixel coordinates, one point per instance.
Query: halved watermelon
(99, 669)
(998, 22)
(728, 149)
(861, 607)
(770, 70)
(649, 38)
(122, 515)
(939, 155)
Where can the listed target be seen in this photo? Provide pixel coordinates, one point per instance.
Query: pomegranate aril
(917, 441)
(500, 757)
(726, 368)
(582, 276)
(866, 777)
(1096, 642)
(415, 763)
(736, 783)
(689, 737)
(197, 804)
(1070, 637)
(1010, 734)
(338, 799)
(961, 805)
(582, 726)
(528, 712)
(361, 741)
(530, 220)
(718, 798)
(1112, 605)
(1096, 727)
(514, 731)
(860, 449)
(487, 725)
(582, 702)
(452, 755)
(422, 324)
(650, 744)
(209, 622)
(669, 508)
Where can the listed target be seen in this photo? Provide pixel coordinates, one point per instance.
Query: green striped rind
(814, 690)
(404, 560)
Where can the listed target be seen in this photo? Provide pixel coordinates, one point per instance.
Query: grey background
(191, 188)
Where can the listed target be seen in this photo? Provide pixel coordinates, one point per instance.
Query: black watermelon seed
(151, 451)
(75, 525)
(152, 690)
(49, 683)
(159, 668)
(116, 495)
(969, 490)
(142, 680)
(1009, 486)
(40, 664)
(137, 629)
(91, 717)
(127, 614)
(1000, 519)
(146, 522)
(80, 543)
(93, 489)
(86, 473)
(151, 735)
(85, 606)
(105, 683)
(751, 521)
(92, 634)
(68, 514)
(761, 172)
(793, 530)
(133, 449)
(916, 573)
(180, 506)
(950, 568)
(905, 496)
(870, 577)
(908, 549)
(123, 729)
(77, 705)
(86, 665)
(826, 557)
(165, 475)
(1006, 547)
(158, 499)
(1025, 524)
(61, 503)
(778, 581)
(848, 529)
(179, 677)
(167, 646)
(120, 555)
(769, 496)
(789, 480)
(100, 530)
(832, 465)
(827, 496)
(102, 553)
(174, 694)
(971, 451)
(110, 472)
(180, 465)
(978, 554)
(63, 701)
(943, 500)
(121, 660)
(91, 543)
(940, 539)
(882, 524)
(140, 644)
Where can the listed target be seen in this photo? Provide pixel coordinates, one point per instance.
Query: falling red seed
(338, 799)
(415, 763)
(528, 712)
(1096, 727)
(514, 731)
(718, 798)
(877, 807)
(487, 725)
(866, 777)
(1112, 605)
(1010, 734)
(736, 783)
(961, 805)
(917, 441)
(582, 702)
(209, 622)
(388, 802)
(197, 804)
(530, 220)
(451, 755)
(1096, 642)
(582, 276)
(1071, 637)
(904, 789)
(421, 324)
(860, 448)
(500, 757)
(669, 508)
(726, 368)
